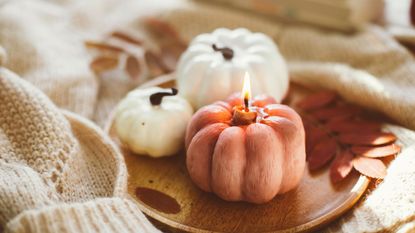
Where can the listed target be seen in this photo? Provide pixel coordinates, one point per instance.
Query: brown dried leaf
(346, 120)
(133, 67)
(161, 28)
(170, 56)
(306, 123)
(104, 63)
(317, 100)
(339, 111)
(103, 46)
(338, 119)
(308, 120)
(314, 135)
(154, 64)
(127, 38)
(370, 167)
(376, 152)
(341, 166)
(367, 139)
(354, 126)
(376, 116)
(322, 153)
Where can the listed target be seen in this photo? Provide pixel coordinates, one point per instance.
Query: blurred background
(341, 15)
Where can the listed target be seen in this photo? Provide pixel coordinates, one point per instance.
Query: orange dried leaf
(154, 64)
(161, 28)
(314, 135)
(354, 126)
(308, 120)
(376, 152)
(127, 38)
(367, 139)
(376, 116)
(341, 166)
(339, 111)
(322, 153)
(133, 67)
(338, 119)
(317, 100)
(370, 167)
(328, 115)
(170, 56)
(103, 46)
(104, 63)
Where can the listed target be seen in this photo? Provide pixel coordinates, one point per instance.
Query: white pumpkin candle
(214, 65)
(153, 121)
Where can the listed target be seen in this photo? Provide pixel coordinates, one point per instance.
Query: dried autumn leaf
(367, 139)
(307, 124)
(376, 116)
(354, 126)
(314, 135)
(170, 56)
(344, 111)
(104, 63)
(103, 46)
(154, 64)
(342, 165)
(351, 126)
(317, 100)
(133, 67)
(127, 38)
(161, 28)
(376, 152)
(338, 119)
(370, 167)
(322, 153)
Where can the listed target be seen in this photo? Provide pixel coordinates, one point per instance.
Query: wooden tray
(172, 199)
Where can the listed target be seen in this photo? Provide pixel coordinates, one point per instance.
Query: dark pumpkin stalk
(227, 53)
(156, 98)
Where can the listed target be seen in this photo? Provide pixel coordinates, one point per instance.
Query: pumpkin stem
(227, 53)
(156, 98)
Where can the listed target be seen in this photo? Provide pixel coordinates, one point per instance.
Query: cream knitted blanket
(60, 173)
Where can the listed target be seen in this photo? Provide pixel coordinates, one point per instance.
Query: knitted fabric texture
(60, 173)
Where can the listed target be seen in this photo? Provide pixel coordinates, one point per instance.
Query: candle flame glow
(246, 91)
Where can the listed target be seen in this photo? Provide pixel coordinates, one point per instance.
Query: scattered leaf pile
(345, 135)
(127, 52)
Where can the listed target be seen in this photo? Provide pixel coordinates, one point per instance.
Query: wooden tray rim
(362, 184)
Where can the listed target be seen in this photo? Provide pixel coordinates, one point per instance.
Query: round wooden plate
(313, 204)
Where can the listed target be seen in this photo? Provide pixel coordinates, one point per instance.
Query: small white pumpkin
(214, 65)
(153, 121)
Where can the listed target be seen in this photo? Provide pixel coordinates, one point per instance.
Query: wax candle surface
(249, 161)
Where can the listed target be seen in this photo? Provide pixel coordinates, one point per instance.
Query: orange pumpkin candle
(242, 115)
(246, 151)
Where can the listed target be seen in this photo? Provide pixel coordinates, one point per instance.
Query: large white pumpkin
(214, 65)
(153, 121)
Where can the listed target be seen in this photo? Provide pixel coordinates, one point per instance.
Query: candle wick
(246, 103)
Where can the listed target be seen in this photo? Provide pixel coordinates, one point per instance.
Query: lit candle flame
(246, 91)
